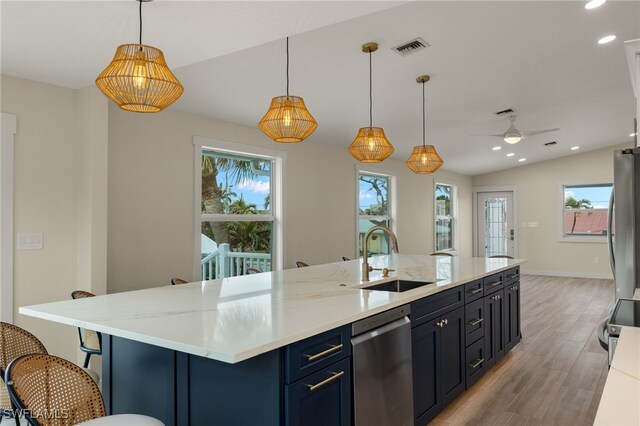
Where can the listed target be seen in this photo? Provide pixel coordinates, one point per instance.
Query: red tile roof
(587, 221)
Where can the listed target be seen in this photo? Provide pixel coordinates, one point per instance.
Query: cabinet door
(425, 348)
(511, 316)
(494, 328)
(453, 355)
(322, 398)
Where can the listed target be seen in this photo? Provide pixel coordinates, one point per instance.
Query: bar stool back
(14, 342)
(53, 391)
(90, 341)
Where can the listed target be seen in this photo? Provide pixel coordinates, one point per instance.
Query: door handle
(511, 234)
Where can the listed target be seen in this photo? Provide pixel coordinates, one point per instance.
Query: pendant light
(138, 78)
(424, 159)
(370, 144)
(288, 120)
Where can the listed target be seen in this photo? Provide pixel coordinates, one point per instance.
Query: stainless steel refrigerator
(624, 207)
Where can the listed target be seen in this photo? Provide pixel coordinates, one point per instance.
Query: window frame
(392, 211)
(562, 238)
(277, 159)
(454, 216)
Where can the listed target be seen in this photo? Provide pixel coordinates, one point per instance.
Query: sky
(598, 195)
(254, 190)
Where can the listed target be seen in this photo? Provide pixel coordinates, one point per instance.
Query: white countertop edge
(620, 401)
(242, 354)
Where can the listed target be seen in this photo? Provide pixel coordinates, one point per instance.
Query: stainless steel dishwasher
(382, 372)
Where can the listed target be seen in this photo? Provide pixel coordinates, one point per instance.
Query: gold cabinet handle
(495, 283)
(477, 363)
(475, 291)
(325, 381)
(440, 324)
(476, 321)
(512, 276)
(332, 349)
(446, 321)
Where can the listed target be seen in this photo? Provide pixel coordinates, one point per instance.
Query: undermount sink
(398, 286)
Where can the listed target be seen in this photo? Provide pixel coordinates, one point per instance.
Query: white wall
(538, 201)
(58, 131)
(150, 219)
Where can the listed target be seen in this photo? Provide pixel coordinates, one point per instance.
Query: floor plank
(556, 374)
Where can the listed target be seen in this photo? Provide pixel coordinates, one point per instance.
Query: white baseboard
(596, 275)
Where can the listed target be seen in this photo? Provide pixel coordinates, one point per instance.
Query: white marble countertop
(620, 401)
(234, 319)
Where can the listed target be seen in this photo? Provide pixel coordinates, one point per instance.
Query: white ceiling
(541, 58)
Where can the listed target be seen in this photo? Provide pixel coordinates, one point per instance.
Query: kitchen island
(224, 351)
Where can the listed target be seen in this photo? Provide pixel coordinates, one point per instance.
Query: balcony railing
(224, 263)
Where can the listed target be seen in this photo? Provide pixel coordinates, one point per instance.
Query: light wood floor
(556, 374)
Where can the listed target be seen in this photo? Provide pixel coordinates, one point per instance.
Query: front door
(495, 224)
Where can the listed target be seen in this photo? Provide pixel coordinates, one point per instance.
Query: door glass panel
(496, 230)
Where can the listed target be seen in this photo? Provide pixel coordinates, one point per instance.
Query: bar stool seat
(123, 420)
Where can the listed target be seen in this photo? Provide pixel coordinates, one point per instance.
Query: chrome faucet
(365, 249)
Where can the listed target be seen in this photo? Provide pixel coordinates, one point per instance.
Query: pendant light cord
(424, 118)
(370, 92)
(287, 66)
(140, 15)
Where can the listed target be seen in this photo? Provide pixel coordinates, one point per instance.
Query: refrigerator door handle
(612, 256)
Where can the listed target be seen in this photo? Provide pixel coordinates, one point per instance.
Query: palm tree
(573, 204)
(214, 195)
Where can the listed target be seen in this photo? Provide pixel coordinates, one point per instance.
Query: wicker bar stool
(53, 391)
(441, 253)
(90, 341)
(14, 342)
(501, 256)
(176, 281)
(252, 271)
(301, 264)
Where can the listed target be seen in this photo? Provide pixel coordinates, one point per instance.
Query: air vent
(505, 111)
(411, 46)
(551, 143)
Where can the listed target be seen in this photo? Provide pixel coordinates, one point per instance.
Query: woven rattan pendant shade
(424, 160)
(370, 145)
(138, 79)
(288, 120)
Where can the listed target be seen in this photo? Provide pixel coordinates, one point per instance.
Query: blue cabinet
(438, 350)
(512, 315)
(317, 387)
(322, 398)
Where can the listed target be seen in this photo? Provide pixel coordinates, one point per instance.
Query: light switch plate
(30, 241)
(533, 224)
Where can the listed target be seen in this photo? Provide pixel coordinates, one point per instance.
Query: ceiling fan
(513, 135)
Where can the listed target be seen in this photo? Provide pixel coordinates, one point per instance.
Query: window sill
(601, 240)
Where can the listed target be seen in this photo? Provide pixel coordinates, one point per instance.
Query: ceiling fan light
(139, 80)
(370, 145)
(288, 120)
(512, 138)
(424, 159)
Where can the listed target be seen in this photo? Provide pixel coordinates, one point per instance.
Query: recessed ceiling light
(573, 148)
(522, 159)
(496, 148)
(607, 39)
(511, 154)
(594, 3)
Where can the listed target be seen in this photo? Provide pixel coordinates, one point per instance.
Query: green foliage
(572, 203)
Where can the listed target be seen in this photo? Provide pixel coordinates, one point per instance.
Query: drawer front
(474, 321)
(493, 283)
(473, 291)
(433, 306)
(310, 355)
(475, 362)
(512, 275)
(323, 398)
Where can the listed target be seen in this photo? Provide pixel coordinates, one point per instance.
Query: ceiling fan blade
(537, 132)
(498, 136)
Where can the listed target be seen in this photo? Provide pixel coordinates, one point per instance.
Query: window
(238, 206)
(445, 216)
(375, 207)
(585, 211)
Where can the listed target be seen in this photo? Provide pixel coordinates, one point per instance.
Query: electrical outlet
(596, 260)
